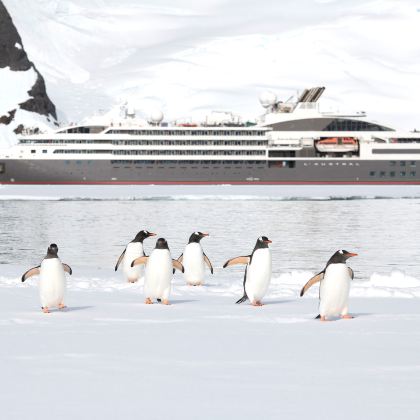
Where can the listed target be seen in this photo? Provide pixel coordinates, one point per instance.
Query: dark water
(92, 234)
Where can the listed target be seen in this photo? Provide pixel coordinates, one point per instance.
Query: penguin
(257, 272)
(133, 250)
(334, 287)
(193, 259)
(52, 284)
(158, 276)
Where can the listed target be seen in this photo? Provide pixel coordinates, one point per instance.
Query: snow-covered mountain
(23, 97)
(191, 57)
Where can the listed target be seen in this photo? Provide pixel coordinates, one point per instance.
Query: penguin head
(262, 242)
(161, 243)
(142, 235)
(197, 237)
(341, 256)
(52, 250)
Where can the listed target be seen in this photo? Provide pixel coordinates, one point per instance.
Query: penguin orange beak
(268, 241)
(352, 254)
(205, 234)
(152, 234)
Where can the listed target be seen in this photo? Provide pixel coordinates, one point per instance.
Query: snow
(96, 55)
(111, 356)
(14, 88)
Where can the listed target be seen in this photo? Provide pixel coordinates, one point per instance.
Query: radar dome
(156, 117)
(267, 99)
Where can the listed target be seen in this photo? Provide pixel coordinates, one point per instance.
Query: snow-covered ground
(110, 356)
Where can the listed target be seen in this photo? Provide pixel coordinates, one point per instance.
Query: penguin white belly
(134, 250)
(157, 284)
(258, 275)
(334, 290)
(193, 262)
(52, 282)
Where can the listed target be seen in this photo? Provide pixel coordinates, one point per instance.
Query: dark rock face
(14, 57)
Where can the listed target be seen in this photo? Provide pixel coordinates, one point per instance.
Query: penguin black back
(161, 243)
(52, 251)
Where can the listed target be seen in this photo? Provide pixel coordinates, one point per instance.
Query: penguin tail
(242, 299)
(318, 316)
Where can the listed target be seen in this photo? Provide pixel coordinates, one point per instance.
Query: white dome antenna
(267, 99)
(156, 117)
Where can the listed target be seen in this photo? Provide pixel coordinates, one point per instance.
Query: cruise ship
(293, 142)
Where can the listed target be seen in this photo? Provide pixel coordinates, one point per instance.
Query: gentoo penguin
(159, 266)
(52, 284)
(193, 259)
(334, 286)
(257, 272)
(132, 251)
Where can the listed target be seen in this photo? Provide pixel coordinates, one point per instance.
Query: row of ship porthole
(391, 173)
(331, 164)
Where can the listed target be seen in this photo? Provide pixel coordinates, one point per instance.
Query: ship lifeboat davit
(337, 145)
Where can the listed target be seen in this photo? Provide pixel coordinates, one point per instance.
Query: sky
(188, 58)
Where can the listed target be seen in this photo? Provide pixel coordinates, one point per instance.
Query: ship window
(412, 173)
(412, 163)
(372, 173)
(402, 163)
(44, 151)
(2, 168)
(382, 174)
(392, 173)
(33, 151)
(392, 163)
(402, 173)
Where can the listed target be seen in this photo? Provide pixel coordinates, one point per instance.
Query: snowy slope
(190, 58)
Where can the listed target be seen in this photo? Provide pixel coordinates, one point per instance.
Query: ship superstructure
(293, 142)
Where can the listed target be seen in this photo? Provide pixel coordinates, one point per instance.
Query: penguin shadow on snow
(71, 309)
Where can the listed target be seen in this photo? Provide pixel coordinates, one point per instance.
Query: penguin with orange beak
(334, 288)
(257, 272)
(194, 260)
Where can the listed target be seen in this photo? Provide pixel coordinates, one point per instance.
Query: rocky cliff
(22, 87)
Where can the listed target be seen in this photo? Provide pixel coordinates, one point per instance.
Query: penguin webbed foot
(347, 316)
(45, 310)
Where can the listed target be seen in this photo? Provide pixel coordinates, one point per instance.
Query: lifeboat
(187, 125)
(337, 145)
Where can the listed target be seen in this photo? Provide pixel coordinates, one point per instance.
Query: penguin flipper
(207, 261)
(181, 257)
(140, 260)
(176, 264)
(351, 272)
(34, 271)
(315, 279)
(120, 259)
(237, 260)
(67, 269)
